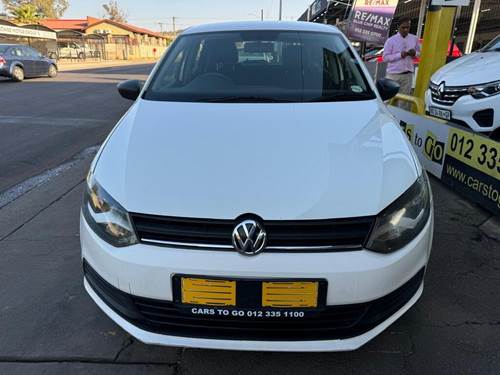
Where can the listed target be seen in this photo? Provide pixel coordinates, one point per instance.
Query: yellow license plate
(290, 294)
(208, 292)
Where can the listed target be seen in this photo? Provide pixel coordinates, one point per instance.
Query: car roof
(10, 45)
(261, 25)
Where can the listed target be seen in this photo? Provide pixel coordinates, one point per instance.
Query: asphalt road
(44, 122)
(48, 325)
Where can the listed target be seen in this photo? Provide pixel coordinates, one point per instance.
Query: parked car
(19, 62)
(72, 50)
(378, 55)
(275, 205)
(466, 91)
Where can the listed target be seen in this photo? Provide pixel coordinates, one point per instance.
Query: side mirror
(387, 88)
(130, 89)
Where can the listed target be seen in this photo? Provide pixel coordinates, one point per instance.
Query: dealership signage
(26, 33)
(451, 3)
(370, 20)
(466, 161)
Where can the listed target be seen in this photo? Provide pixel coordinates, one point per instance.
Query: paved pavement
(49, 325)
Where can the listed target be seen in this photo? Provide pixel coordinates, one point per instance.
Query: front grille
(484, 118)
(293, 235)
(449, 95)
(330, 323)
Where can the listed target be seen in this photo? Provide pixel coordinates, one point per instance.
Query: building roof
(65, 24)
(261, 25)
(83, 24)
(7, 22)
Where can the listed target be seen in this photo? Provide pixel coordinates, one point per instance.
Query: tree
(52, 8)
(44, 8)
(114, 12)
(26, 13)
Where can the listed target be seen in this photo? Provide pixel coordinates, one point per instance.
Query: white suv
(466, 91)
(257, 196)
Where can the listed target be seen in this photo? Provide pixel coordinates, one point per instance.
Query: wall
(126, 45)
(111, 29)
(119, 51)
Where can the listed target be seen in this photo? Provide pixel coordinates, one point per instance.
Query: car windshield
(494, 45)
(259, 66)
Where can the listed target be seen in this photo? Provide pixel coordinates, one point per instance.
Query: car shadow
(147, 68)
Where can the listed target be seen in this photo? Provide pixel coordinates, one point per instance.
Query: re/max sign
(372, 18)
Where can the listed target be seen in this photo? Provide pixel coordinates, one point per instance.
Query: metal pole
(262, 14)
(421, 15)
(281, 10)
(454, 31)
(425, 68)
(437, 32)
(473, 26)
(173, 25)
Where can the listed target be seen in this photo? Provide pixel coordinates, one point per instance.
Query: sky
(148, 13)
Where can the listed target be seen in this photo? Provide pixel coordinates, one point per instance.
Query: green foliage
(26, 14)
(44, 8)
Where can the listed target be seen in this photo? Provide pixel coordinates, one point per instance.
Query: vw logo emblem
(441, 89)
(249, 237)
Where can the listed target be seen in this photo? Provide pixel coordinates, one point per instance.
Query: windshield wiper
(243, 99)
(343, 97)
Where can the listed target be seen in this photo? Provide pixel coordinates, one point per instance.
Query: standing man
(399, 51)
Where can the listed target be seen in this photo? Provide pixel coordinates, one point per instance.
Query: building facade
(37, 36)
(121, 41)
(487, 27)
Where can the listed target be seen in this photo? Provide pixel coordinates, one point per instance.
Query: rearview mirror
(130, 89)
(387, 88)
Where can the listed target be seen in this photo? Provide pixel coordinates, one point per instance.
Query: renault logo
(249, 237)
(441, 88)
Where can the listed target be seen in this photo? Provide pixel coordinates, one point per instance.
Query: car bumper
(4, 71)
(466, 107)
(354, 278)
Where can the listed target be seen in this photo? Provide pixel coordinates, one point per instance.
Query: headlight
(403, 220)
(106, 217)
(485, 91)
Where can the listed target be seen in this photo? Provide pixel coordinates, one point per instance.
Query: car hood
(278, 161)
(473, 69)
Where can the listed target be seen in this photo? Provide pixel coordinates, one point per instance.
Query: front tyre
(17, 74)
(52, 71)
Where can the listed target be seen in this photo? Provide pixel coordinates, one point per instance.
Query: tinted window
(259, 66)
(19, 52)
(494, 45)
(30, 52)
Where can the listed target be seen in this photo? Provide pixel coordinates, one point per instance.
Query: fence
(73, 45)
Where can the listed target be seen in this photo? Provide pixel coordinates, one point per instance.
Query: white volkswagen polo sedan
(257, 196)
